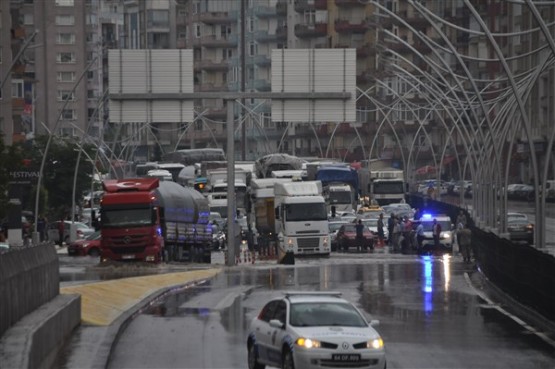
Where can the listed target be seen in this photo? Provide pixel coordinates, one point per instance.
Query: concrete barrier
(29, 277)
(35, 341)
(35, 320)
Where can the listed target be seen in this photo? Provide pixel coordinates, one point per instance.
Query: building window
(158, 18)
(196, 7)
(65, 20)
(250, 24)
(309, 17)
(66, 77)
(64, 2)
(28, 19)
(65, 58)
(197, 30)
(17, 88)
(253, 49)
(227, 54)
(65, 39)
(91, 95)
(64, 95)
(0, 54)
(69, 114)
(91, 112)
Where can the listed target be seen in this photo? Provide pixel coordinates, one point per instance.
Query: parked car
(333, 229)
(90, 245)
(525, 192)
(372, 225)
(4, 247)
(347, 238)
(512, 215)
(461, 187)
(83, 230)
(313, 330)
(520, 230)
(399, 210)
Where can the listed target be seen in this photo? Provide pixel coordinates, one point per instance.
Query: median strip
(104, 302)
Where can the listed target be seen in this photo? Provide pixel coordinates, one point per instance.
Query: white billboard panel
(150, 72)
(314, 70)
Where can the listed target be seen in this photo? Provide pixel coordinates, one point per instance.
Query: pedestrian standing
(380, 230)
(61, 231)
(436, 232)
(390, 225)
(359, 227)
(41, 225)
(465, 238)
(420, 235)
(397, 231)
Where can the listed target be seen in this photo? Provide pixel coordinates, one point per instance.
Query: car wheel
(287, 362)
(253, 358)
(94, 252)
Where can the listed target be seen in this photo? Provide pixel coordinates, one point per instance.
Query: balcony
(265, 11)
(212, 41)
(348, 3)
(264, 37)
(210, 87)
(345, 26)
(216, 114)
(262, 60)
(366, 50)
(311, 31)
(219, 17)
(414, 20)
(302, 6)
(281, 8)
(209, 65)
(262, 85)
(281, 32)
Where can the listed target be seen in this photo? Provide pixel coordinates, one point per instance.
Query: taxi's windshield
(321, 314)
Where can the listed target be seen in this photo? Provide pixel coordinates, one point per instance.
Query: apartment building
(390, 62)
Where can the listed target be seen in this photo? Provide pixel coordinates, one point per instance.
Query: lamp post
(39, 180)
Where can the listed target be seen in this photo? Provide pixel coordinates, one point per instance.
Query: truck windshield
(127, 218)
(310, 211)
(389, 187)
(340, 197)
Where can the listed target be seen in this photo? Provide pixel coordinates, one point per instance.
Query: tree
(59, 170)
(11, 158)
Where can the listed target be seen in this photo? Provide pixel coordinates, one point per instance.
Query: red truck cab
(130, 221)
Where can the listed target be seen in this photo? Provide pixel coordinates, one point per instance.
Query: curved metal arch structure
(486, 113)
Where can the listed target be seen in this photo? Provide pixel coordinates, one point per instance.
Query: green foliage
(58, 173)
(11, 158)
(55, 198)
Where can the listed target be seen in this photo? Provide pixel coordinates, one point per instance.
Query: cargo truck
(144, 219)
(301, 218)
(261, 209)
(387, 186)
(340, 187)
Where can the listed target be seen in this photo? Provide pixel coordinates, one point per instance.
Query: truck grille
(308, 243)
(128, 241)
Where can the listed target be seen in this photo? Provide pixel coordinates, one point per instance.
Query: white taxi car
(446, 238)
(313, 330)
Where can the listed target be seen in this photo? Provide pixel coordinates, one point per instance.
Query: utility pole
(243, 84)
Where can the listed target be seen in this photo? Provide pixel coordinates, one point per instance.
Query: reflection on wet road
(430, 317)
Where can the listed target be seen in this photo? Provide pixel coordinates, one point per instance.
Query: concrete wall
(29, 278)
(35, 320)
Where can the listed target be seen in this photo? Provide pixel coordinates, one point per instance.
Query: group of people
(403, 234)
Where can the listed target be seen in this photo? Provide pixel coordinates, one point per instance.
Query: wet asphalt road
(431, 315)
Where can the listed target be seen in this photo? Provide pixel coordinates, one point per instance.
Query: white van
(161, 174)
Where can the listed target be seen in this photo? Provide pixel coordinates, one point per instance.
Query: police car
(447, 231)
(313, 330)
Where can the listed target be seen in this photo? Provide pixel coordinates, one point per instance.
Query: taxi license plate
(345, 357)
(128, 257)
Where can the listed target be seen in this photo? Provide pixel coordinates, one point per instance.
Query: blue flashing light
(426, 216)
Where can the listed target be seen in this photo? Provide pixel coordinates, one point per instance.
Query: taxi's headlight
(445, 235)
(307, 343)
(376, 343)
